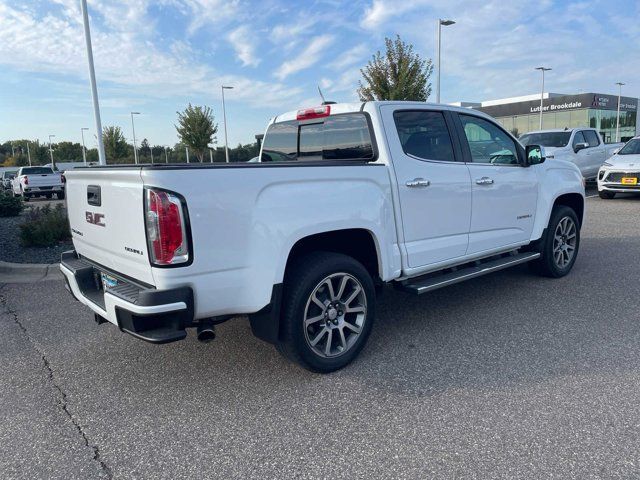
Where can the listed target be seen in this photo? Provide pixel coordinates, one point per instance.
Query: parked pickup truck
(37, 181)
(582, 146)
(345, 198)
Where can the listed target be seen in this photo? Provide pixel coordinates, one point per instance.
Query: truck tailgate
(106, 214)
(44, 180)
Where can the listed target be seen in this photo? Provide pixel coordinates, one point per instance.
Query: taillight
(26, 180)
(62, 179)
(310, 113)
(165, 220)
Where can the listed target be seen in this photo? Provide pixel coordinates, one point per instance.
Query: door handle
(418, 182)
(484, 181)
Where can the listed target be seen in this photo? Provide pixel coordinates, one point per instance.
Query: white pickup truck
(346, 198)
(582, 146)
(38, 181)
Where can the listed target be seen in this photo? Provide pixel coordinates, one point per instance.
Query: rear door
(433, 184)
(504, 192)
(106, 214)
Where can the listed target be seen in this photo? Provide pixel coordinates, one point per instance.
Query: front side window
(424, 134)
(488, 143)
(591, 137)
(578, 138)
(339, 137)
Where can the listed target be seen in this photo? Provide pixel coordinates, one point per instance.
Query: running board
(420, 285)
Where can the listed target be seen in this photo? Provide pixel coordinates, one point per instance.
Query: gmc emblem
(95, 218)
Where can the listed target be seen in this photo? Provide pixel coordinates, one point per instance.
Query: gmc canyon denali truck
(345, 198)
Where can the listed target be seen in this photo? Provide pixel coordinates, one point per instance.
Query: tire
(60, 195)
(606, 195)
(345, 332)
(48, 196)
(560, 245)
(25, 197)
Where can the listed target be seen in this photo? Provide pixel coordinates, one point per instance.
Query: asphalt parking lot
(506, 376)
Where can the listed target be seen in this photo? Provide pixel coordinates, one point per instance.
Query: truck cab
(582, 146)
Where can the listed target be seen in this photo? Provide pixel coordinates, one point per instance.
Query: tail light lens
(62, 179)
(165, 219)
(26, 180)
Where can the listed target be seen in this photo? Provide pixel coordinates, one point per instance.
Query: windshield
(547, 139)
(631, 148)
(37, 171)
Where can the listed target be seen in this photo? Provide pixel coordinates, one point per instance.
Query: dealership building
(596, 110)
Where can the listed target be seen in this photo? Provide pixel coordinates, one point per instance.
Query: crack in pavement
(62, 401)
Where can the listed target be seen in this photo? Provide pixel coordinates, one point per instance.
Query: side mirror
(580, 146)
(535, 154)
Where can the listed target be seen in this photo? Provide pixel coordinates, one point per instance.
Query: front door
(504, 192)
(434, 188)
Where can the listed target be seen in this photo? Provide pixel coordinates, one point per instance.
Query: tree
(196, 129)
(399, 74)
(115, 145)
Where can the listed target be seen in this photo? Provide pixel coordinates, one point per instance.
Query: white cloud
(243, 40)
(350, 57)
(381, 11)
(307, 58)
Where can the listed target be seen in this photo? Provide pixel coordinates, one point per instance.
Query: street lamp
(166, 156)
(620, 84)
(53, 165)
(224, 116)
(133, 127)
(84, 150)
(441, 23)
(28, 153)
(92, 79)
(542, 69)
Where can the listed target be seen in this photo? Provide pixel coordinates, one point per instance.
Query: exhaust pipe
(206, 332)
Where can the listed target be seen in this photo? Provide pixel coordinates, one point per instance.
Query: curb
(29, 272)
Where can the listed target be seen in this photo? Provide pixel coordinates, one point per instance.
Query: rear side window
(340, 137)
(591, 138)
(424, 134)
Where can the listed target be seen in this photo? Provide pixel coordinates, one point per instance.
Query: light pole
(166, 156)
(441, 23)
(620, 84)
(84, 149)
(187, 150)
(224, 116)
(53, 165)
(151, 152)
(92, 77)
(542, 69)
(28, 153)
(133, 127)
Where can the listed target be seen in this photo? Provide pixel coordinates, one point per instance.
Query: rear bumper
(157, 316)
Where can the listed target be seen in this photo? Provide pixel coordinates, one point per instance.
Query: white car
(621, 172)
(346, 198)
(582, 146)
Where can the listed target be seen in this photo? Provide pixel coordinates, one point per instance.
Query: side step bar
(420, 285)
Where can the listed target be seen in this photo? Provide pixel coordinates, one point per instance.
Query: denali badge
(95, 218)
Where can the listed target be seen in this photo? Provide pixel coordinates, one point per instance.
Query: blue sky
(156, 56)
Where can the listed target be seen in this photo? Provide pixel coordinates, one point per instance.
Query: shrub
(45, 227)
(10, 206)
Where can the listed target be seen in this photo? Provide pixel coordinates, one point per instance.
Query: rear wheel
(328, 311)
(25, 197)
(605, 194)
(60, 195)
(559, 247)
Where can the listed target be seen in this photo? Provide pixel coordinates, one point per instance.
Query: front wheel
(606, 195)
(559, 247)
(328, 311)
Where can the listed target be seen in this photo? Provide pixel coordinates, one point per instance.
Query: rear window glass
(36, 171)
(340, 137)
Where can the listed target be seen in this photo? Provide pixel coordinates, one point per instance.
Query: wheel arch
(575, 201)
